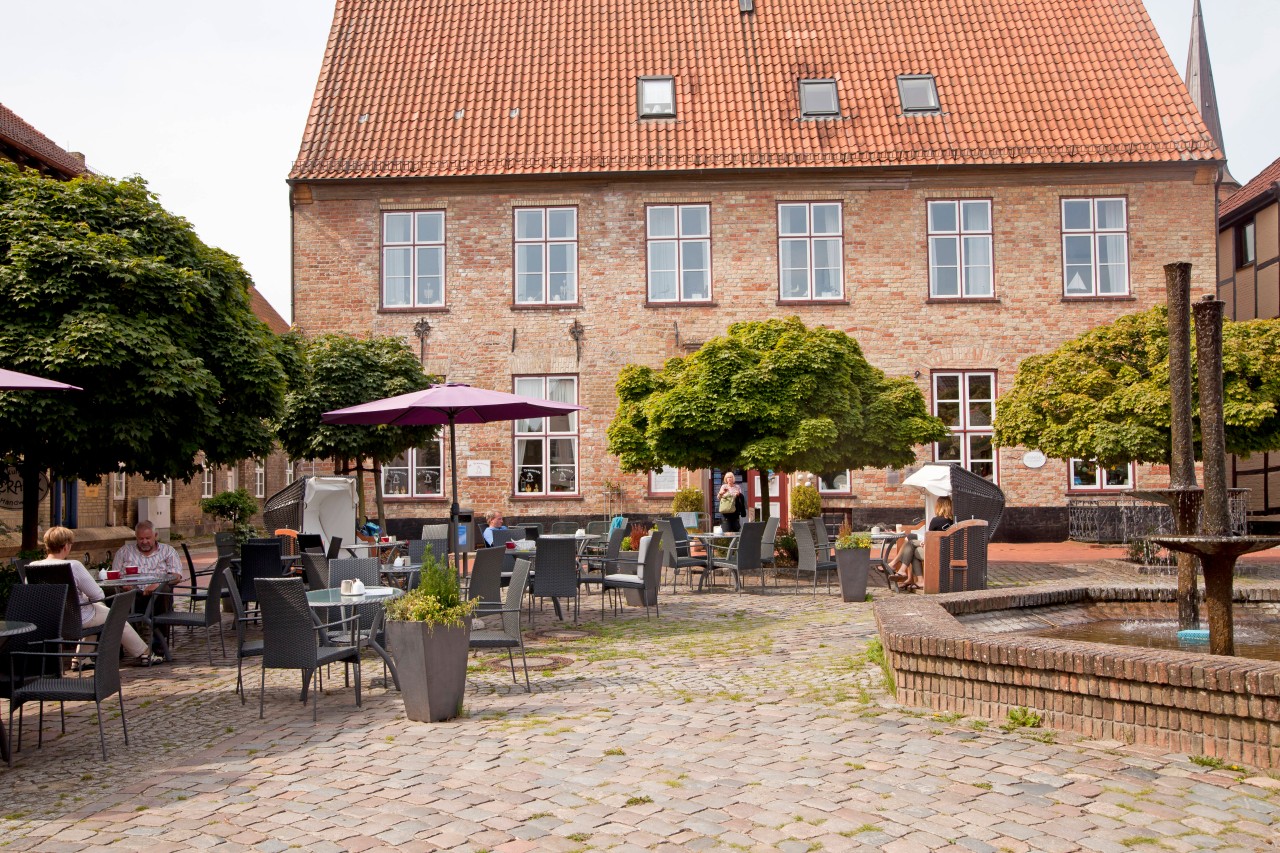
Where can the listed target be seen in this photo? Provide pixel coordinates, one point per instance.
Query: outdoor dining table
(159, 642)
(881, 564)
(401, 577)
(708, 541)
(382, 550)
(334, 597)
(10, 629)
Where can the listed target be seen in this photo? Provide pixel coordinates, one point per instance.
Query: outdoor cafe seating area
(305, 601)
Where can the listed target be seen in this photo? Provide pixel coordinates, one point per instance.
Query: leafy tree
(769, 395)
(337, 371)
(1105, 394)
(105, 289)
(236, 507)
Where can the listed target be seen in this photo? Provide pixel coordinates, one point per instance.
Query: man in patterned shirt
(151, 558)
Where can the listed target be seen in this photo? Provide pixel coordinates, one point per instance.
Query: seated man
(496, 522)
(152, 558)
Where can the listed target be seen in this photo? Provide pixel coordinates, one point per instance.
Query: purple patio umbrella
(451, 403)
(12, 380)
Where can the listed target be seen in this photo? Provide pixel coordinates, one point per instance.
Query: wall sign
(1033, 459)
(478, 468)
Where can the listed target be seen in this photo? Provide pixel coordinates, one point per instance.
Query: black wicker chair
(208, 617)
(808, 560)
(675, 548)
(245, 648)
(744, 554)
(258, 559)
(486, 580)
(102, 684)
(291, 639)
(508, 636)
(556, 575)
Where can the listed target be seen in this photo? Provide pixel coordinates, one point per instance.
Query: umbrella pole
(453, 507)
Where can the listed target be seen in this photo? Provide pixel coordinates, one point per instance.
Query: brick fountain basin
(962, 653)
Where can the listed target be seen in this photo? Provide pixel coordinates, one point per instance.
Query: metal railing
(1128, 520)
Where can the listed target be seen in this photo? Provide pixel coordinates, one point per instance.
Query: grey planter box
(432, 665)
(852, 566)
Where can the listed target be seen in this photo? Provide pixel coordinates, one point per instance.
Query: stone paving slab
(732, 722)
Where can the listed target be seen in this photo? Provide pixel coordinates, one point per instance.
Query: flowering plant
(436, 600)
(847, 540)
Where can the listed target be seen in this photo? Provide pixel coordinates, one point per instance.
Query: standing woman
(731, 503)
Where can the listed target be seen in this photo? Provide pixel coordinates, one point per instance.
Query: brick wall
(480, 338)
(1180, 701)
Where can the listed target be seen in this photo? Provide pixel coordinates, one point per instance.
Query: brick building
(550, 192)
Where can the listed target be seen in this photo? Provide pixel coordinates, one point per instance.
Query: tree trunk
(764, 496)
(30, 504)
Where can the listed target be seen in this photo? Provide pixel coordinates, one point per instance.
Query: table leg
(391, 664)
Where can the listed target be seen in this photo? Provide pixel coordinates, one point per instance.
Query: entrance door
(779, 506)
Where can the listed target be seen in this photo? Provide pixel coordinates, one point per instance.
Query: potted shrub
(428, 632)
(806, 502)
(236, 507)
(690, 505)
(853, 561)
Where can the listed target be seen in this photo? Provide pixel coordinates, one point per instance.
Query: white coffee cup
(346, 587)
(581, 532)
(716, 530)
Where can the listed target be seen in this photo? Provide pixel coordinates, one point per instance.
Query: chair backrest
(502, 537)
(564, 527)
(40, 604)
(258, 559)
(821, 539)
(767, 543)
(213, 599)
(690, 519)
(289, 638)
(315, 570)
(225, 542)
(288, 540)
(486, 575)
(679, 533)
(435, 531)
(669, 550)
(311, 542)
(806, 553)
(237, 606)
(749, 540)
(106, 671)
(652, 569)
(614, 546)
(335, 548)
(439, 549)
(191, 567)
(599, 528)
(557, 568)
(515, 594)
(619, 521)
(60, 573)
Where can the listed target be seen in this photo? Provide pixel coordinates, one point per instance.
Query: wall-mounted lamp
(915, 375)
(422, 329)
(577, 331)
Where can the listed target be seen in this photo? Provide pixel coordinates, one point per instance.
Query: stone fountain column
(1184, 495)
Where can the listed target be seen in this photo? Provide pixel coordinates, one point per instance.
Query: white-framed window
(417, 473)
(679, 252)
(966, 401)
(413, 259)
(810, 250)
(117, 485)
(546, 449)
(1086, 475)
(819, 98)
(289, 475)
(918, 93)
(657, 97)
(231, 479)
(206, 481)
(546, 255)
(1095, 246)
(166, 488)
(259, 478)
(837, 485)
(960, 248)
(664, 482)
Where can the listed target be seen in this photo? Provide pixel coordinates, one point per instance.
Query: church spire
(1200, 83)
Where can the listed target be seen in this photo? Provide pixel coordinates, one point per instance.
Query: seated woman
(911, 554)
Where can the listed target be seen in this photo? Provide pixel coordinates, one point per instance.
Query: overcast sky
(207, 101)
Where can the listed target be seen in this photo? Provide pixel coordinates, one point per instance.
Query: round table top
(579, 536)
(333, 596)
(10, 629)
(724, 534)
(141, 579)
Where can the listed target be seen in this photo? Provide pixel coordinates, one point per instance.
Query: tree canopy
(341, 370)
(769, 395)
(1105, 394)
(105, 289)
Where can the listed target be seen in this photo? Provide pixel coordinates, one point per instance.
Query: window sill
(1079, 492)
(689, 304)
(962, 300)
(523, 496)
(409, 309)
(1125, 298)
(800, 303)
(412, 499)
(543, 306)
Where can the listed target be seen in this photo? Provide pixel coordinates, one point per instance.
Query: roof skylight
(918, 93)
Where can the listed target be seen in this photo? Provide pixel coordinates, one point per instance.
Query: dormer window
(657, 97)
(818, 98)
(918, 93)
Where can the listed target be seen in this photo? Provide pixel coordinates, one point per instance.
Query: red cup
(386, 538)
(113, 574)
(130, 570)
(511, 545)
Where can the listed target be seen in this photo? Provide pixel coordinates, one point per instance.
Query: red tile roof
(1261, 185)
(31, 143)
(489, 87)
(263, 311)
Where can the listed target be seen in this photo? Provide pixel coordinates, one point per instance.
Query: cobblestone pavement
(733, 722)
